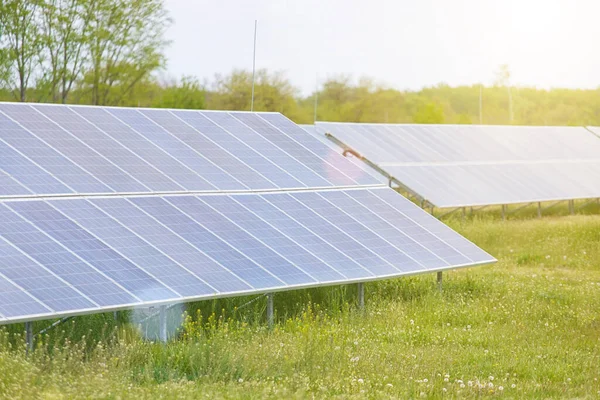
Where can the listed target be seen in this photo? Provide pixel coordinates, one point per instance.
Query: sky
(398, 43)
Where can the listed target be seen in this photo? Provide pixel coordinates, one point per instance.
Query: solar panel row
(48, 149)
(66, 256)
(458, 165)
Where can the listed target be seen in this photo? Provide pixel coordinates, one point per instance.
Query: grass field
(528, 326)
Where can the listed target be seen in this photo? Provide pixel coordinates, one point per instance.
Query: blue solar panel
(135, 226)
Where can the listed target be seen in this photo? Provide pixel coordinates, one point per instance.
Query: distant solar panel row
(65, 256)
(47, 149)
(464, 165)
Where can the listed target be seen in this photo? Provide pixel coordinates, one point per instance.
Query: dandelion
(361, 381)
(412, 321)
(354, 359)
(240, 380)
(548, 257)
(422, 394)
(513, 386)
(446, 379)
(490, 385)
(389, 385)
(448, 324)
(462, 386)
(356, 343)
(459, 381)
(470, 383)
(446, 376)
(500, 388)
(491, 378)
(444, 390)
(468, 326)
(568, 379)
(564, 257)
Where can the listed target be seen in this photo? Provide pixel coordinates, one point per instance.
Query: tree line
(111, 52)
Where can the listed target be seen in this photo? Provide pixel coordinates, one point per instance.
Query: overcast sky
(406, 44)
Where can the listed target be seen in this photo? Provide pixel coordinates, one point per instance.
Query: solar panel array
(107, 208)
(466, 165)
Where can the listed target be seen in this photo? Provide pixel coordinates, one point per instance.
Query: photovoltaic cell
(109, 208)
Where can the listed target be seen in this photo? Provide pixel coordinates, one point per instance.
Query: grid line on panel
(266, 221)
(324, 222)
(127, 149)
(223, 149)
(151, 121)
(306, 152)
(77, 256)
(50, 272)
(94, 150)
(405, 236)
(19, 286)
(77, 167)
(228, 132)
(286, 153)
(189, 146)
(328, 162)
(350, 217)
(229, 244)
(260, 241)
(189, 243)
(118, 252)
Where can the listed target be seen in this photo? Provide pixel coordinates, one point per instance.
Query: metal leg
(503, 212)
(361, 295)
(572, 207)
(116, 315)
(162, 321)
(439, 280)
(539, 209)
(270, 319)
(29, 336)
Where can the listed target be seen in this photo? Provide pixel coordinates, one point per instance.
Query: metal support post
(439, 280)
(361, 295)
(29, 336)
(270, 319)
(539, 209)
(503, 212)
(116, 315)
(572, 207)
(162, 322)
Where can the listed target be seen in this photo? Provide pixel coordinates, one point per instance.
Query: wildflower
(470, 383)
(500, 388)
(548, 257)
(491, 378)
(422, 394)
(462, 385)
(490, 385)
(354, 359)
(568, 379)
(389, 385)
(412, 321)
(240, 380)
(361, 381)
(425, 380)
(513, 386)
(444, 390)
(355, 343)
(446, 379)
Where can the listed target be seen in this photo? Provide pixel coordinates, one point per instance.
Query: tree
(125, 43)
(21, 44)
(429, 113)
(188, 94)
(65, 32)
(272, 92)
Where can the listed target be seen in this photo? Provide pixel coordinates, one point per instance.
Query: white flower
(462, 385)
(491, 378)
(491, 385)
(389, 385)
(354, 359)
(356, 343)
(361, 381)
(446, 379)
(412, 322)
(568, 379)
(513, 386)
(444, 390)
(240, 380)
(422, 394)
(470, 383)
(500, 388)
(425, 380)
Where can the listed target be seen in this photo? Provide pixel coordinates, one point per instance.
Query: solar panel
(107, 208)
(465, 165)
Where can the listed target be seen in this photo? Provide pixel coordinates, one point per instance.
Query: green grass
(529, 324)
